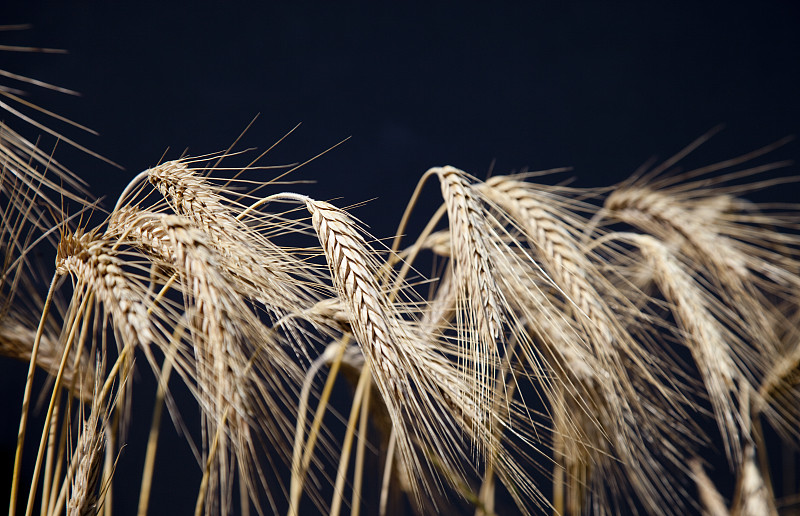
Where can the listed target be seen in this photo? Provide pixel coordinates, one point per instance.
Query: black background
(598, 86)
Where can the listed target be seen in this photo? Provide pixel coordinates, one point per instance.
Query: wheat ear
(87, 460)
(91, 260)
(704, 336)
(604, 377)
(672, 218)
(408, 385)
(475, 283)
(263, 271)
(233, 349)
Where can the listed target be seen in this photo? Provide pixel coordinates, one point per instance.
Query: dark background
(600, 87)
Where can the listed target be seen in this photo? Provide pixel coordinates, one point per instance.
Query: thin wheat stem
(409, 208)
(387, 473)
(363, 432)
(55, 496)
(202, 492)
(53, 398)
(300, 465)
(152, 440)
(141, 176)
(26, 397)
(48, 468)
(161, 293)
(411, 253)
(122, 359)
(244, 495)
(344, 456)
(559, 484)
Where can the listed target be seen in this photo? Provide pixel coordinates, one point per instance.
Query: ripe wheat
(538, 369)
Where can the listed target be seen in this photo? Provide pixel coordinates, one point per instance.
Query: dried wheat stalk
(671, 218)
(415, 380)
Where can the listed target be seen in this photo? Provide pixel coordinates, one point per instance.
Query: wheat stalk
(261, 268)
(608, 368)
(667, 218)
(96, 268)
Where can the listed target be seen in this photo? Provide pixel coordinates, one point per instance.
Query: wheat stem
(201, 495)
(26, 397)
(55, 494)
(53, 398)
(152, 440)
(344, 456)
(387, 473)
(300, 465)
(363, 430)
(48, 468)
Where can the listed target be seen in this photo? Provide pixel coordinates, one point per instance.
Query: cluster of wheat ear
(534, 349)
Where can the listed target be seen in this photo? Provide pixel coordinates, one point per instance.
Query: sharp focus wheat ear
(371, 318)
(415, 382)
(262, 270)
(354, 278)
(474, 279)
(189, 195)
(93, 264)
